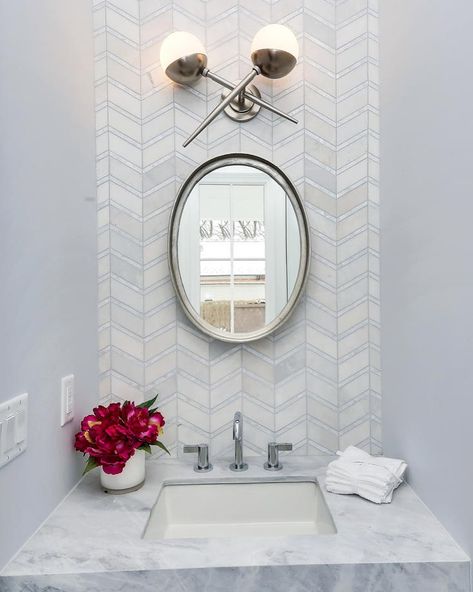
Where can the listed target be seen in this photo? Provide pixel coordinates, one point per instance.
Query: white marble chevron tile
(357, 226)
(319, 62)
(316, 382)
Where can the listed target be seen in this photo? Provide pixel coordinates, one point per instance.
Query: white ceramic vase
(130, 479)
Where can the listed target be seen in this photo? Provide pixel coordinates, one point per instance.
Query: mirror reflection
(238, 249)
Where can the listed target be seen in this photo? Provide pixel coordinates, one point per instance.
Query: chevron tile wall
(359, 392)
(316, 382)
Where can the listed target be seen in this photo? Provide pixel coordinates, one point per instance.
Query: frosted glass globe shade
(183, 57)
(276, 37)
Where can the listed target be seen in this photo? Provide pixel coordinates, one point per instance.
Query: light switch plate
(13, 428)
(67, 399)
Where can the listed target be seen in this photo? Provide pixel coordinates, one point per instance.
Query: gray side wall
(47, 245)
(427, 250)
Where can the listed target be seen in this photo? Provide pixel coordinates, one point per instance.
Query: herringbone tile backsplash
(316, 382)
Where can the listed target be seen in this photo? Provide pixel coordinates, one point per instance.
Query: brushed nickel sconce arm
(253, 98)
(274, 53)
(221, 106)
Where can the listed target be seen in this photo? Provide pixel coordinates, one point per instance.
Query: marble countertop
(92, 532)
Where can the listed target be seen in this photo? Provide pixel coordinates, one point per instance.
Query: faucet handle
(202, 465)
(273, 464)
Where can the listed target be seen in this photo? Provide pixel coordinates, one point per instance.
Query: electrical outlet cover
(67, 399)
(13, 428)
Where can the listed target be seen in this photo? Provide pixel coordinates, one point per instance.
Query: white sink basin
(239, 508)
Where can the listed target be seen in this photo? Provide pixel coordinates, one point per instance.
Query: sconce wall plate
(243, 108)
(274, 53)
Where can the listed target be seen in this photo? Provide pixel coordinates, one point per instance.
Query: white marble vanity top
(91, 531)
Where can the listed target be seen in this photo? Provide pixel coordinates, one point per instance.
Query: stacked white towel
(372, 477)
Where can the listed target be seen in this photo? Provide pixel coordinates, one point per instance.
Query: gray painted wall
(47, 245)
(427, 250)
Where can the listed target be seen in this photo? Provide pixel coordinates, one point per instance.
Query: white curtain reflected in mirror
(239, 249)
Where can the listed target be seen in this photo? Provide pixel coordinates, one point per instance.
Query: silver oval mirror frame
(185, 191)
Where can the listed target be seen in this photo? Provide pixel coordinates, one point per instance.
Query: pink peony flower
(158, 420)
(137, 421)
(112, 434)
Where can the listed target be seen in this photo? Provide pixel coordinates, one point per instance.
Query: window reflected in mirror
(238, 249)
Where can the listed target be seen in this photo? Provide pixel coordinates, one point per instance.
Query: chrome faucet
(238, 465)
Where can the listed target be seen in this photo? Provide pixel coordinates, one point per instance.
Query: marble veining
(93, 536)
(393, 577)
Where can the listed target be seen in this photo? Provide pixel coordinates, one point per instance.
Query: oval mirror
(239, 247)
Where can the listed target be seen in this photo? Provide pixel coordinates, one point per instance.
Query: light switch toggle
(9, 432)
(20, 426)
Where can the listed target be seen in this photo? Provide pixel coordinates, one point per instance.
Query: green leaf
(148, 404)
(160, 445)
(91, 464)
(146, 447)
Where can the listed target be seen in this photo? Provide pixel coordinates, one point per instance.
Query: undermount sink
(242, 507)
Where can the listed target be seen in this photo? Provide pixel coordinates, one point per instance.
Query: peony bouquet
(112, 434)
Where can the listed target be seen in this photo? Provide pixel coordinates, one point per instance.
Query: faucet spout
(238, 426)
(238, 465)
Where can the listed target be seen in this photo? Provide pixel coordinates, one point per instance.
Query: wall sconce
(274, 53)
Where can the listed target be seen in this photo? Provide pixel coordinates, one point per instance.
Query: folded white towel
(356, 455)
(364, 473)
(371, 477)
(359, 478)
